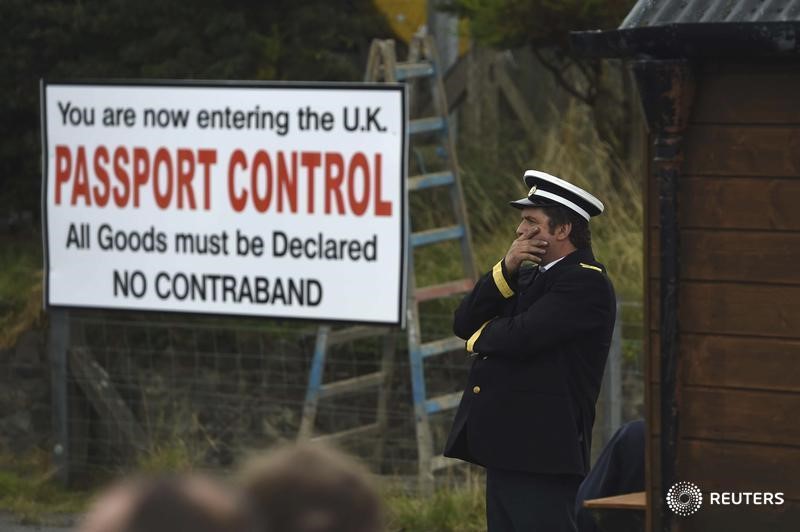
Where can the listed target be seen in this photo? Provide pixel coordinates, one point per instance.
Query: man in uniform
(539, 337)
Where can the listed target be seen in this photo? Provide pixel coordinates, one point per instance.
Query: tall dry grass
(570, 148)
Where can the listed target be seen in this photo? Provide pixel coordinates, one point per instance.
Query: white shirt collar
(550, 264)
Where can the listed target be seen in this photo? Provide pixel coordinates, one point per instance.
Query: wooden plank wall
(739, 297)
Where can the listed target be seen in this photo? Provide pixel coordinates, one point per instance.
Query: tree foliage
(544, 25)
(538, 23)
(170, 39)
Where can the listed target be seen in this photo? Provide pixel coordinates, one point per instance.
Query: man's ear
(563, 231)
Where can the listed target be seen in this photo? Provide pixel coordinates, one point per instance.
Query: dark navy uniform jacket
(540, 344)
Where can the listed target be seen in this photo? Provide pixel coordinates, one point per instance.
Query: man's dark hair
(580, 235)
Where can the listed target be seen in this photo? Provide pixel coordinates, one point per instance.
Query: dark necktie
(537, 272)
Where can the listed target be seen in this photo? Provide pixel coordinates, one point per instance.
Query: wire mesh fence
(153, 391)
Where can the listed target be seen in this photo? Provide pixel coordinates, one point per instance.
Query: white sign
(278, 200)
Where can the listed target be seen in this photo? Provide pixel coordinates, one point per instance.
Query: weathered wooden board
(747, 94)
(738, 310)
(768, 151)
(740, 416)
(734, 362)
(742, 519)
(741, 362)
(94, 381)
(654, 419)
(655, 357)
(744, 256)
(655, 477)
(734, 309)
(753, 203)
(726, 466)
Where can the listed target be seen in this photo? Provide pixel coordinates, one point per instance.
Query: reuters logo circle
(684, 498)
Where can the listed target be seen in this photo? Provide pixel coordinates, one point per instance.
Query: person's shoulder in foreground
(169, 504)
(309, 487)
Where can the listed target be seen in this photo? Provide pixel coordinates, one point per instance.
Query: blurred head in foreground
(310, 488)
(168, 504)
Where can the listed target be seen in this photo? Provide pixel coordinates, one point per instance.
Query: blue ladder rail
(382, 65)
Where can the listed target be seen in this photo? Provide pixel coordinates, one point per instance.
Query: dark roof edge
(721, 39)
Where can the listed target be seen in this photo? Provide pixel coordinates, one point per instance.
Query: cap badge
(532, 191)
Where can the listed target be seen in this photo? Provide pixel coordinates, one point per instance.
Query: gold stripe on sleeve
(474, 338)
(500, 280)
(589, 266)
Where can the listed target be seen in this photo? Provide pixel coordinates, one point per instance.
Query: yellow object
(476, 389)
(500, 280)
(583, 264)
(404, 16)
(474, 337)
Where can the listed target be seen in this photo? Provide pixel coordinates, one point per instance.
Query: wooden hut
(719, 83)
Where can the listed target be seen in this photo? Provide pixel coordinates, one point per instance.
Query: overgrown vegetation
(171, 456)
(20, 287)
(28, 490)
(571, 148)
(544, 26)
(459, 508)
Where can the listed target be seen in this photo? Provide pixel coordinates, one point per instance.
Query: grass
(20, 287)
(575, 150)
(29, 491)
(175, 457)
(570, 148)
(459, 508)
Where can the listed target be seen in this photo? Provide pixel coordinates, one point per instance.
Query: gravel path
(8, 523)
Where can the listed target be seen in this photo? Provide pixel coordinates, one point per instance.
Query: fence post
(57, 346)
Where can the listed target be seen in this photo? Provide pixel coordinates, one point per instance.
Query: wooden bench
(620, 513)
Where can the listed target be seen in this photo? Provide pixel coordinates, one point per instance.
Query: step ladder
(326, 339)
(422, 66)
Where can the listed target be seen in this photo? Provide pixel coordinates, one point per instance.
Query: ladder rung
(441, 346)
(432, 236)
(443, 402)
(436, 179)
(336, 437)
(349, 334)
(413, 70)
(440, 462)
(350, 385)
(426, 125)
(436, 291)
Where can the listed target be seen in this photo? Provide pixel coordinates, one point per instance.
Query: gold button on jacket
(476, 389)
